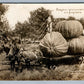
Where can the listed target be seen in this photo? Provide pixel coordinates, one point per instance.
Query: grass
(62, 72)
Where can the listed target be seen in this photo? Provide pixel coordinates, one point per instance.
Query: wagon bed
(67, 59)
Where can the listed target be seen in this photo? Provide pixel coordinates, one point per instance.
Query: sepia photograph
(41, 41)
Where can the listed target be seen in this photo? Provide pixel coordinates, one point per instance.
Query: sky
(21, 12)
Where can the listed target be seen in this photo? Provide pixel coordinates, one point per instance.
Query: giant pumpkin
(76, 45)
(70, 29)
(53, 44)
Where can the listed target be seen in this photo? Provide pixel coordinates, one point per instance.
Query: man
(49, 25)
(13, 54)
(11, 57)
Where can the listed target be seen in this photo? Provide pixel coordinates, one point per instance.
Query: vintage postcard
(42, 41)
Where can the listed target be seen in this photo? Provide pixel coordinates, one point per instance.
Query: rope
(50, 27)
(42, 30)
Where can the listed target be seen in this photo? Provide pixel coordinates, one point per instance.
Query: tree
(71, 18)
(4, 25)
(21, 29)
(38, 21)
(36, 27)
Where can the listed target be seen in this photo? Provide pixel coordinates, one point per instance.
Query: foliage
(37, 25)
(4, 26)
(22, 29)
(71, 18)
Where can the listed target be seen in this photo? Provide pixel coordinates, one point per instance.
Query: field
(62, 72)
